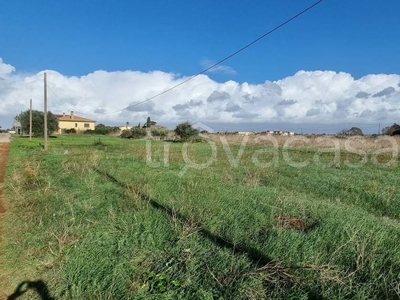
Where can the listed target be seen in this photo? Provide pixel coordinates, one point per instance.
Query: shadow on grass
(38, 286)
(259, 259)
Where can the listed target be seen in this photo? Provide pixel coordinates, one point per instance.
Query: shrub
(186, 131)
(391, 130)
(72, 130)
(89, 131)
(159, 132)
(134, 133)
(102, 130)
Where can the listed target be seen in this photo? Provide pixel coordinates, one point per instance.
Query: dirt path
(5, 137)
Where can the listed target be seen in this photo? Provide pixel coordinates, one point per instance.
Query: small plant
(159, 283)
(99, 142)
(291, 223)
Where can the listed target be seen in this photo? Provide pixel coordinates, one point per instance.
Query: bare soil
(5, 137)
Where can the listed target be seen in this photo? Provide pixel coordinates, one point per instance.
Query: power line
(66, 104)
(222, 60)
(208, 68)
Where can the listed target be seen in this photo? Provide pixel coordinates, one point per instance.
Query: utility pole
(45, 112)
(30, 120)
(379, 128)
(20, 126)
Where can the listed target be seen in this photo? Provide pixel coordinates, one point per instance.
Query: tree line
(184, 131)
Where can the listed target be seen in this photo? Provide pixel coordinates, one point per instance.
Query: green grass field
(94, 218)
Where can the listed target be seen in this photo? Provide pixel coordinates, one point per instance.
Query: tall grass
(226, 231)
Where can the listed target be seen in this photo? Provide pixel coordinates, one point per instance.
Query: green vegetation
(392, 130)
(102, 129)
(161, 132)
(69, 131)
(356, 131)
(38, 122)
(134, 133)
(186, 131)
(117, 219)
(149, 123)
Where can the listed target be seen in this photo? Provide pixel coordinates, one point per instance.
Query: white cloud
(5, 69)
(318, 97)
(206, 63)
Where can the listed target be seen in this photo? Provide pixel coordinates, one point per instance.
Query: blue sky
(77, 38)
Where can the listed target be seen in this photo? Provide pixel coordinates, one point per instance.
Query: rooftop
(72, 118)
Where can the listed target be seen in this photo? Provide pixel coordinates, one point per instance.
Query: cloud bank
(309, 97)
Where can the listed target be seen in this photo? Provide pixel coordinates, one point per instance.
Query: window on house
(87, 125)
(76, 125)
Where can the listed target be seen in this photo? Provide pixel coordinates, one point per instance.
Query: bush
(102, 130)
(159, 132)
(186, 131)
(134, 133)
(396, 132)
(72, 130)
(126, 134)
(89, 131)
(391, 130)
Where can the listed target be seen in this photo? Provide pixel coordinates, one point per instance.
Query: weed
(99, 142)
(233, 230)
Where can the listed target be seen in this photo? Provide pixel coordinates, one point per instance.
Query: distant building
(73, 121)
(125, 127)
(245, 133)
(16, 126)
(280, 132)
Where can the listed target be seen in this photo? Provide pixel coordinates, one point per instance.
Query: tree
(355, 131)
(391, 130)
(149, 123)
(351, 131)
(38, 122)
(186, 131)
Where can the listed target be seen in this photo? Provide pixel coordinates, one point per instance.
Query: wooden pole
(45, 112)
(30, 121)
(20, 126)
